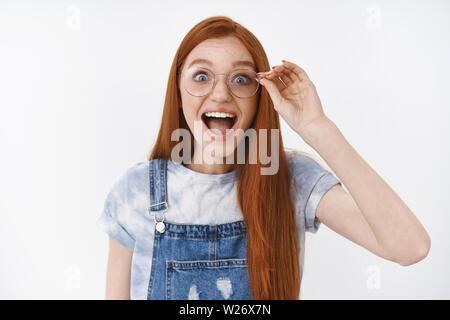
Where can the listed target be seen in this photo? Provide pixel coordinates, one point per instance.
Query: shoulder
(131, 176)
(122, 217)
(303, 164)
(311, 180)
(129, 189)
(307, 169)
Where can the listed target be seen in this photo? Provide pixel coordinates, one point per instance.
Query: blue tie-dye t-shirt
(201, 199)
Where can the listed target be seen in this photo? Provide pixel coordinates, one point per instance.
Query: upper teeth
(219, 114)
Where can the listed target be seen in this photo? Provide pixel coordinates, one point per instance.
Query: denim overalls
(194, 261)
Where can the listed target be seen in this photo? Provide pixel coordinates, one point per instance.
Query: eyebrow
(234, 64)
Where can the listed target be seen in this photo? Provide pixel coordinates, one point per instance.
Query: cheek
(249, 113)
(189, 109)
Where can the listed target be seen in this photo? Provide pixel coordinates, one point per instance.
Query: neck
(218, 166)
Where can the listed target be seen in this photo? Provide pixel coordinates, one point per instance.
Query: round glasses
(199, 82)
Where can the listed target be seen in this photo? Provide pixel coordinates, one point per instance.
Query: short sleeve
(310, 182)
(116, 216)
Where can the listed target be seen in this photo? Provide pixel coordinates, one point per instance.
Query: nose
(220, 90)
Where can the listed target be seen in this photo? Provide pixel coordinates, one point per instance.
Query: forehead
(222, 53)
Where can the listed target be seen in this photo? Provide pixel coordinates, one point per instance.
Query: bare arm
(372, 215)
(118, 272)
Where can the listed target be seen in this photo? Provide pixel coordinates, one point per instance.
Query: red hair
(265, 200)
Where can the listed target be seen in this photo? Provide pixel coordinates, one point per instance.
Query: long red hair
(265, 200)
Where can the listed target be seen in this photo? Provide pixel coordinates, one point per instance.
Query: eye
(202, 76)
(241, 79)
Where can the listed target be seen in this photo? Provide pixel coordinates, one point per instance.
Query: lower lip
(216, 136)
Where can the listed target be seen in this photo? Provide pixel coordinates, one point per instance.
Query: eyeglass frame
(228, 82)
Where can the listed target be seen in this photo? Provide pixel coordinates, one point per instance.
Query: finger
(299, 72)
(284, 82)
(283, 78)
(273, 90)
(284, 74)
(275, 78)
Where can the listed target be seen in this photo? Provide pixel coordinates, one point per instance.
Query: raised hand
(294, 97)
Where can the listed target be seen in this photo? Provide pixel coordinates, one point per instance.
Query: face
(216, 117)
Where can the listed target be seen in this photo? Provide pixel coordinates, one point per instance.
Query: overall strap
(157, 173)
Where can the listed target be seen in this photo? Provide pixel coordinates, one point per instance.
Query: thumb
(272, 89)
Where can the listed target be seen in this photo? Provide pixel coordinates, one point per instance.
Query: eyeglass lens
(199, 82)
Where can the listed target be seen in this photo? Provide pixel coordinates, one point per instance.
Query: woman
(213, 227)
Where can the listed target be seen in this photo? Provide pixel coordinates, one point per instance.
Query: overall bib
(194, 261)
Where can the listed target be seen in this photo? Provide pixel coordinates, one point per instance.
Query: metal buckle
(159, 225)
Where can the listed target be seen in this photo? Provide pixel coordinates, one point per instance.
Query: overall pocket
(207, 280)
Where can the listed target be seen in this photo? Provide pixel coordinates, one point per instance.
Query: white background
(82, 86)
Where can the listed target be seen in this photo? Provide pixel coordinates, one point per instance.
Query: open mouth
(219, 122)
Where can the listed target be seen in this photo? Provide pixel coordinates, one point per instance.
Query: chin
(217, 150)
